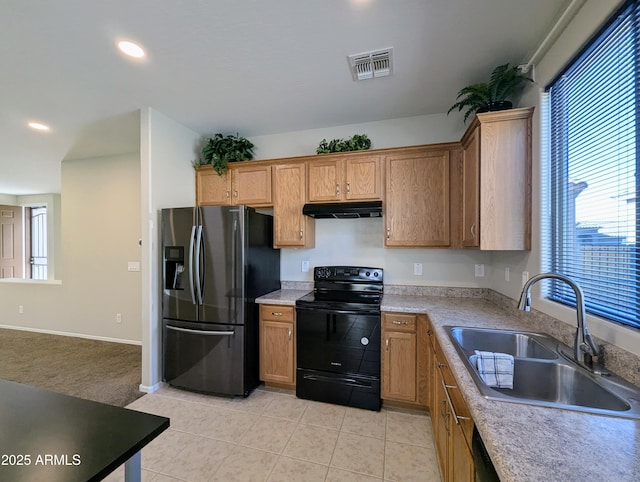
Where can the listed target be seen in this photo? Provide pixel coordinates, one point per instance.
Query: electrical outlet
(133, 266)
(305, 266)
(417, 269)
(20, 309)
(507, 274)
(118, 317)
(479, 270)
(525, 277)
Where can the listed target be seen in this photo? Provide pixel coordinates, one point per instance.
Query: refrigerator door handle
(202, 332)
(198, 262)
(191, 241)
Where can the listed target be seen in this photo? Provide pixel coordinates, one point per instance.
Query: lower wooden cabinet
(277, 344)
(451, 421)
(404, 359)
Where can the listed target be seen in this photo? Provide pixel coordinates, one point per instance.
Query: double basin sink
(542, 375)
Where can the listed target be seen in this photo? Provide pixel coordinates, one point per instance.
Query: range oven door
(338, 356)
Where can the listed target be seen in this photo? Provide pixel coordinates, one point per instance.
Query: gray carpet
(95, 370)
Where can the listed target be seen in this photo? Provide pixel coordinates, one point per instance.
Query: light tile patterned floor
(274, 436)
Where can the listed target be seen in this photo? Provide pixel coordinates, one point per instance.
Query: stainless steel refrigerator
(216, 261)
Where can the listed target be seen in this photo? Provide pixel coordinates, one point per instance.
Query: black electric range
(338, 337)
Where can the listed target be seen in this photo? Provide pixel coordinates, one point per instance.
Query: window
(23, 242)
(38, 255)
(594, 157)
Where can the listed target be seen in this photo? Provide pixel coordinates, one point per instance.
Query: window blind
(594, 147)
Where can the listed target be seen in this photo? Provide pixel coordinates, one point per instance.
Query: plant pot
(493, 106)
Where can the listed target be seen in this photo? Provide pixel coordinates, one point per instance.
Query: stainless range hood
(367, 209)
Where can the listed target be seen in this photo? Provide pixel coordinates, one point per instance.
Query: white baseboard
(75, 335)
(152, 388)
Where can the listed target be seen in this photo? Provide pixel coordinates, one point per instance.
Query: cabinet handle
(441, 365)
(227, 192)
(348, 188)
(387, 344)
(276, 313)
(396, 322)
(337, 189)
(429, 333)
(473, 230)
(388, 233)
(301, 235)
(289, 334)
(456, 417)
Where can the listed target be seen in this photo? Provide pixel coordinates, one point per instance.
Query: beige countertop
(525, 442)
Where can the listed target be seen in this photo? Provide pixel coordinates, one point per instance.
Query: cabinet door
(399, 366)
(417, 199)
(442, 427)
(276, 351)
(291, 228)
(471, 190)
(325, 180)
(212, 189)
(363, 179)
(461, 466)
(252, 185)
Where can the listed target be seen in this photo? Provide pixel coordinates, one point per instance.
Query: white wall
(587, 22)
(98, 234)
(168, 180)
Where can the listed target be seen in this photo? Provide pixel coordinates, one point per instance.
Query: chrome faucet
(584, 347)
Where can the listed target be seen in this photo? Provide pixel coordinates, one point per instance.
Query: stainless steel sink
(518, 344)
(560, 384)
(542, 377)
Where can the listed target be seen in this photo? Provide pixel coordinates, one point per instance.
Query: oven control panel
(347, 273)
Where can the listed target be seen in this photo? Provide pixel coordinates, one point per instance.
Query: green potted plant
(220, 150)
(505, 81)
(358, 142)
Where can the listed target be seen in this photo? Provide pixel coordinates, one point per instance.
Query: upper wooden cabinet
(251, 185)
(337, 179)
(417, 194)
(291, 228)
(496, 180)
(240, 184)
(212, 189)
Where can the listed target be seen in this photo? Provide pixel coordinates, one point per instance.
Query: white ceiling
(250, 66)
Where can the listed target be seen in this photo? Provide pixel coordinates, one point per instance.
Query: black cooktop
(345, 288)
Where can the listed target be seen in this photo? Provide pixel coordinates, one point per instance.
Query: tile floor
(274, 436)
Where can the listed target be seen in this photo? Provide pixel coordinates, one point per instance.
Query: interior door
(11, 231)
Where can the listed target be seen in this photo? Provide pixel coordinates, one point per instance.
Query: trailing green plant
(358, 142)
(219, 150)
(505, 81)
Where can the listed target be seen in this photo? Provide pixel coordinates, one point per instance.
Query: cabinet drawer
(277, 312)
(399, 322)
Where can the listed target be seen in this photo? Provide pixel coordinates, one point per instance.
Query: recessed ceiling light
(38, 126)
(131, 49)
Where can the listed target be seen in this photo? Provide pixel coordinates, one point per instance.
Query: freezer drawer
(205, 357)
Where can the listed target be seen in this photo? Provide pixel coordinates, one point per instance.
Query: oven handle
(344, 380)
(332, 311)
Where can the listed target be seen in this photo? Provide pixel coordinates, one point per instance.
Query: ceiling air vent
(368, 65)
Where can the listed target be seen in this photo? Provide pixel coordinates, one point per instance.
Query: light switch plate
(133, 266)
(305, 266)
